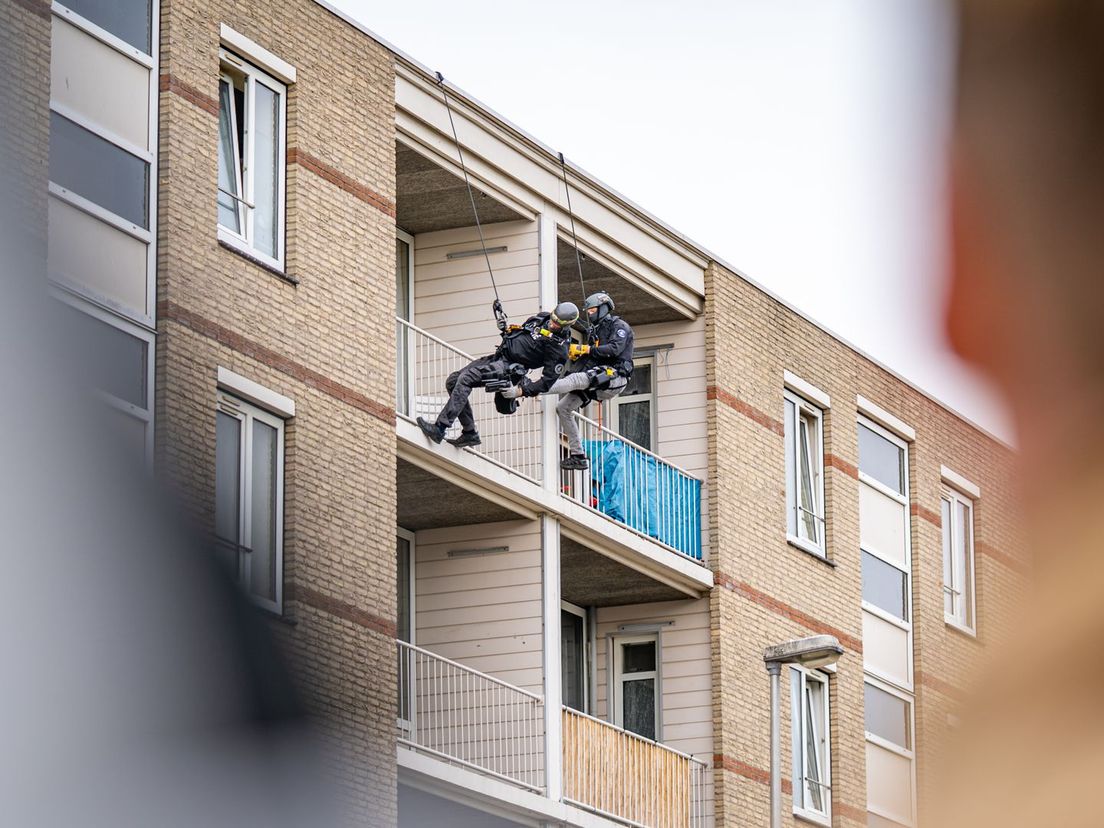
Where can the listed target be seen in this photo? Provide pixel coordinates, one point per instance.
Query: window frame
(406, 726)
(247, 413)
(804, 409)
(965, 558)
(230, 64)
(892, 747)
(798, 718)
(404, 341)
(580, 612)
(613, 415)
(618, 680)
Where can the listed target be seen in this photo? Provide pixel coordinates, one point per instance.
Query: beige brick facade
(322, 336)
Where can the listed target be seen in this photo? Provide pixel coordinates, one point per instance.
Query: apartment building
(258, 213)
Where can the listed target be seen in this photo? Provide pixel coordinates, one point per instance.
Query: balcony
(629, 485)
(464, 717)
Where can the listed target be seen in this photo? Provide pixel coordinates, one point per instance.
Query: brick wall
(323, 336)
(768, 591)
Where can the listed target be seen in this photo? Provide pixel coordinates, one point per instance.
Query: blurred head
(1027, 198)
(564, 315)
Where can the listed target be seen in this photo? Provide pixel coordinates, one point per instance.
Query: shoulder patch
(621, 332)
(559, 368)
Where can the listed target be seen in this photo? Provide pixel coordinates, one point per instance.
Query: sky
(799, 141)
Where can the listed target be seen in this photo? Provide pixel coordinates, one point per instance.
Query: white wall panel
(886, 650)
(888, 783)
(99, 83)
(882, 525)
(86, 251)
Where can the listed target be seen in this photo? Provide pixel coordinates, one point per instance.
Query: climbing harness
(574, 238)
(499, 313)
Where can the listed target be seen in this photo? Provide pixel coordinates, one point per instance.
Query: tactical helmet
(565, 314)
(601, 303)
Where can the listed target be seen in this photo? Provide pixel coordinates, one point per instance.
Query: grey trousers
(570, 389)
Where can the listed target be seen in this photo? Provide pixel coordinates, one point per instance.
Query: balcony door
(574, 667)
(404, 312)
(404, 623)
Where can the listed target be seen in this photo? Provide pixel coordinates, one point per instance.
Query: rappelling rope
(574, 238)
(500, 314)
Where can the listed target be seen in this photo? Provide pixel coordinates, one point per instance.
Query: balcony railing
(637, 488)
(425, 362)
(468, 718)
(618, 774)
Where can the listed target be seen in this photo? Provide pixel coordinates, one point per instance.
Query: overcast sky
(797, 140)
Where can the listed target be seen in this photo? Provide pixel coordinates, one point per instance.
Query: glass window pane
(266, 173)
(228, 488)
(403, 586)
(887, 716)
(638, 703)
(949, 602)
(229, 169)
(86, 164)
(402, 280)
(572, 659)
(814, 743)
(262, 571)
(105, 357)
(791, 477)
(634, 422)
(962, 567)
(884, 586)
(638, 658)
(806, 469)
(640, 382)
(881, 459)
(128, 20)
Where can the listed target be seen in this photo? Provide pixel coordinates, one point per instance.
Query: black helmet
(601, 302)
(565, 314)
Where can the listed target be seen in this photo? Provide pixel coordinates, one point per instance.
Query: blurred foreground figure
(1027, 307)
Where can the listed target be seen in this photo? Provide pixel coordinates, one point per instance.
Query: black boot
(575, 461)
(431, 430)
(466, 438)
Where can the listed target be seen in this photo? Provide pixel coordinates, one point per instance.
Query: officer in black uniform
(602, 370)
(541, 342)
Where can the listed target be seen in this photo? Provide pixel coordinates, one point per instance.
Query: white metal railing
(618, 774)
(425, 363)
(637, 488)
(469, 718)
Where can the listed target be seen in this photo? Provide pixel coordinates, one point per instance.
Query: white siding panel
(886, 650)
(883, 522)
(89, 252)
(483, 611)
(888, 783)
(99, 83)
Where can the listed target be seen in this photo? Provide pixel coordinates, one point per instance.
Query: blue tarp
(635, 489)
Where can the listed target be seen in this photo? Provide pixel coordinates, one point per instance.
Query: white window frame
(406, 726)
(404, 340)
(247, 413)
(613, 416)
(812, 415)
(799, 769)
(619, 679)
(229, 65)
(962, 564)
(907, 753)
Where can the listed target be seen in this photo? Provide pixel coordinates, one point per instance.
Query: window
(404, 627)
(251, 161)
(635, 685)
(573, 660)
(890, 756)
(99, 171)
(812, 758)
(404, 311)
(804, 430)
(249, 497)
(881, 459)
(884, 586)
(888, 717)
(633, 411)
(958, 560)
(129, 20)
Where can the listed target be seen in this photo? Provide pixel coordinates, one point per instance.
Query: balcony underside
(590, 579)
(428, 501)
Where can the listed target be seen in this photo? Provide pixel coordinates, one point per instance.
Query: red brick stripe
(307, 376)
(763, 778)
(998, 556)
(341, 609)
(785, 610)
(835, 462)
(339, 179)
(741, 407)
(850, 812)
(934, 518)
(940, 686)
(168, 83)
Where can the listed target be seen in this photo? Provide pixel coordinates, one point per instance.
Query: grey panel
(107, 358)
(128, 20)
(589, 579)
(426, 501)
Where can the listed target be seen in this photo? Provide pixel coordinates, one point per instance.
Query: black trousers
(459, 385)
